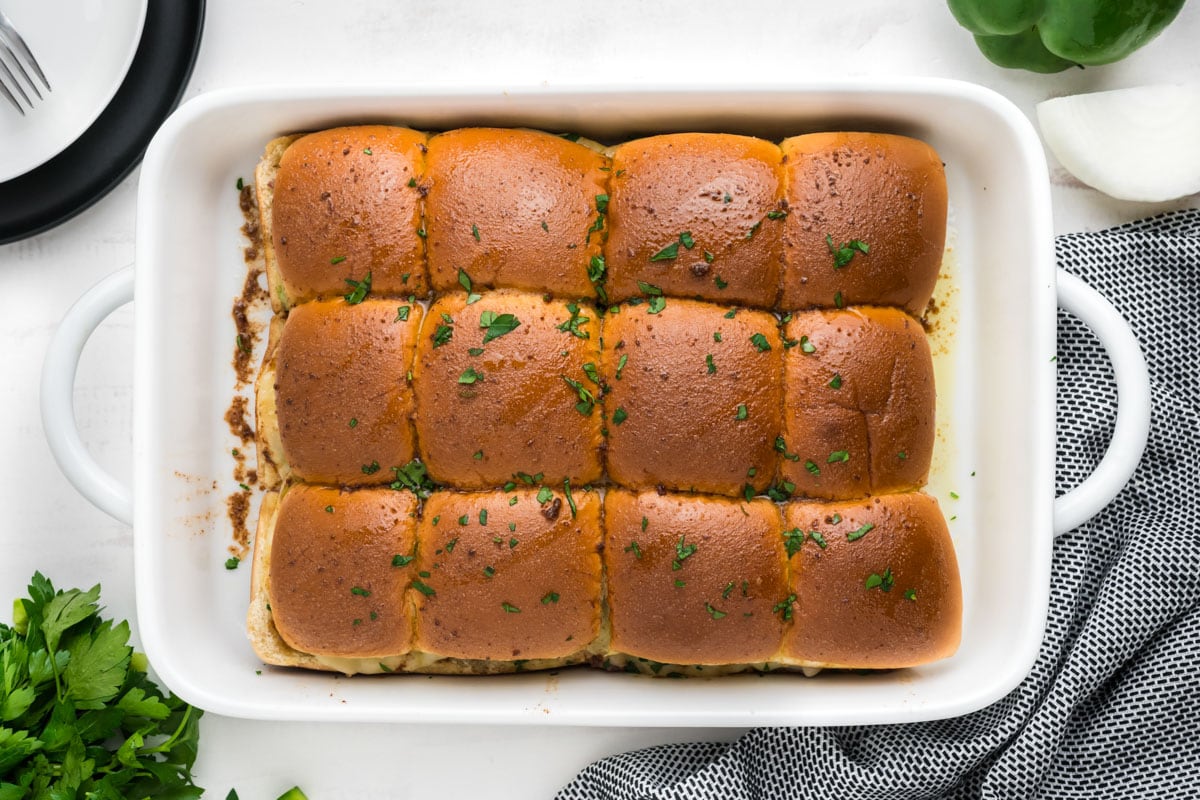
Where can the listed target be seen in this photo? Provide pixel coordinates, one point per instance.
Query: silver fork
(14, 52)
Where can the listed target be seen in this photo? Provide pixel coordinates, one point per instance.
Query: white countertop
(49, 527)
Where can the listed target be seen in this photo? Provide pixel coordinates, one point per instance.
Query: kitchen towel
(1112, 706)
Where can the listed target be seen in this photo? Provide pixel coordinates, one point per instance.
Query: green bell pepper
(1052, 35)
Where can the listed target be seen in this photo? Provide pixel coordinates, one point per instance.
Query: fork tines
(16, 62)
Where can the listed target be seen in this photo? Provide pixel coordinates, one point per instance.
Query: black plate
(109, 150)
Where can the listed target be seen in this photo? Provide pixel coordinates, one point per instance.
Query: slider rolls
(665, 407)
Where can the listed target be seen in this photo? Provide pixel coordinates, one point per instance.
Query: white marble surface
(48, 527)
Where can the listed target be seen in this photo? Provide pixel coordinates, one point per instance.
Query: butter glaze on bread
(859, 408)
(688, 425)
(513, 412)
(884, 190)
(716, 187)
(341, 395)
(909, 614)
(345, 203)
(332, 586)
(693, 580)
(513, 209)
(508, 581)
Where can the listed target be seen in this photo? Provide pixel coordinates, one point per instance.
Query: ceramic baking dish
(993, 472)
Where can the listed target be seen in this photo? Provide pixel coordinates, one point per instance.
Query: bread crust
(514, 209)
(725, 192)
(883, 190)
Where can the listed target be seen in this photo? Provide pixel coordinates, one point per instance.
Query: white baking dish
(996, 404)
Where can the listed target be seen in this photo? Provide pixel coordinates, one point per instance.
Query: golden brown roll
(695, 397)
(858, 403)
(866, 222)
(874, 583)
(698, 215)
(508, 576)
(333, 584)
(343, 205)
(514, 209)
(511, 395)
(341, 395)
(693, 580)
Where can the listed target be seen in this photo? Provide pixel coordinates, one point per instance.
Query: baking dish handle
(1133, 405)
(58, 389)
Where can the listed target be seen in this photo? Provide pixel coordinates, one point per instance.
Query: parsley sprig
(79, 716)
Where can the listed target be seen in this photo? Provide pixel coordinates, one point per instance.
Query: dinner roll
(509, 577)
(858, 403)
(333, 584)
(695, 398)
(515, 209)
(866, 222)
(341, 395)
(506, 384)
(698, 215)
(342, 206)
(693, 580)
(874, 583)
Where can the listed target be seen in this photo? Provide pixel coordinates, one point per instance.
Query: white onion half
(1133, 144)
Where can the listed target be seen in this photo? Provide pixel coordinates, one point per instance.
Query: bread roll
(858, 403)
(698, 215)
(506, 577)
(343, 205)
(693, 580)
(341, 396)
(874, 203)
(487, 410)
(514, 209)
(873, 584)
(695, 397)
(327, 574)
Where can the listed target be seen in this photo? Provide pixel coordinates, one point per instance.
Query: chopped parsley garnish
(328, 509)
(483, 516)
(954, 495)
(760, 341)
(337, 259)
(784, 607)
(721, 284)
(717, 337)
(838, 301)
(474, 351)
(781, 491)
(442, 335)
(587, 400)
(708, 257)
(812, 467)
(367, 151)
(902, 455)
(818, 538)
(619, 416)
(354, 422)
(742, 413)
(450, 545)
(882, 582)
(497, 325)
(836, 518)
(465, 519)
(414, 477)
(592, 373)
(793, 540)
(731, 313)
(423, 588)
(549, 597)
(621, 362)
(726, 591)
(489, 571)
(596, 272)
(360, 290)
(475, 231)
(570, 499)
(510, 608)
(574, 325)
(753, 229)
(477, 455)
(412, 183)
(232, 562)
(712, 612)
(668, 253)
(241, 184)
(776, 214)
(370, 469)
(858, 533)
(470, 375)
(634, 548)
(837, 456)
(910, 594)
(843, 254)
(242, 343)
(512, 543)
(544, 495)
(781, 446)
(601, 203)
(806, 346)
(402, 314)
(680, 583)
(682, 552)
(402, 560)
(835, 382)
(712, 368)
(359, 591)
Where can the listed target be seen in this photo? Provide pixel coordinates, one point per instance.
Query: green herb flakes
(475, 232)
(574, 325)
(360, 290)
(442, 335)
(721, 284)
(668, 253)
(414, 477)
(497, 325)
(806, 346)
(423, 588)
(843, 254)
(570, 499)
(742, 413)
(812, 467)
(370, 469)
(683, 551)
(483, 516)
(544, 495)
(337, 260)
(510, 608)
(818, 538)
(354, 422)
(621, 362)
(838, 456)
(241, 184)
(402, 314)
(793, 540)
(835, 382)
(359, 591)
(470, 375)
(587, 400)
(760, 342)
(708, 361)
(232, 562)
(713, 612)
(784, 607)
(635, 548)
(882, 582)
(858, 533)
(549, 597)
(717, 337)
(399, 560)
(910, 594)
